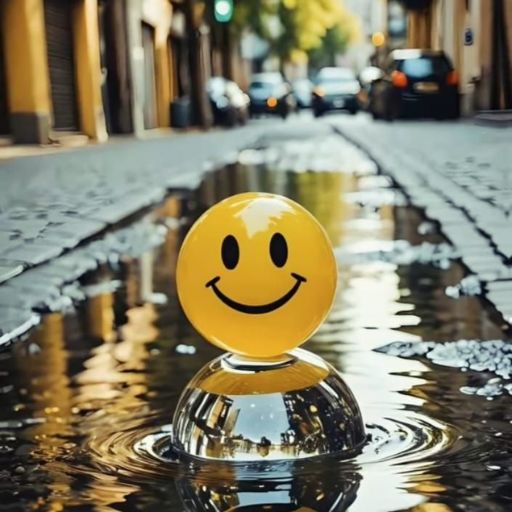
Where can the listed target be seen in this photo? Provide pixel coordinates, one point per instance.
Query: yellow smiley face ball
(256, 275)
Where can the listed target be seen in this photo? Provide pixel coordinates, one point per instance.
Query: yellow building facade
(84, 67)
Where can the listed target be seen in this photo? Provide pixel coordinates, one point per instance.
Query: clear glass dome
(288, 407)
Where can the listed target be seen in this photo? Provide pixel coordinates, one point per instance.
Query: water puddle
(88, 398)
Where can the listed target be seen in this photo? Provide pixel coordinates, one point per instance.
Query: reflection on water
(89, 385)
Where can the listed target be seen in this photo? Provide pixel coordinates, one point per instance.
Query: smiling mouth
(260, 309)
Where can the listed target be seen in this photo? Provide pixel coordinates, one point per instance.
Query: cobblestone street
(458, 173)
(461, 175)
(53, 203)
(89, 297)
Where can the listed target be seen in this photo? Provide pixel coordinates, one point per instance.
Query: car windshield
(335, 75)
(262, 85)
(425, 66)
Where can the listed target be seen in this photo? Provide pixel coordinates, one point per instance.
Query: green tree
(335, 42)
(305, 27)
(307, 23)
(254, 15)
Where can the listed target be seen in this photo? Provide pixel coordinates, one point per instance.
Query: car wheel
(390, 114)
(453, 112)
(243, 117)
(231, 118)
(353, 111)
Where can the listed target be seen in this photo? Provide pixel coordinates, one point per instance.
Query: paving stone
(14, 322)
(27, 228)
(32, 253)
(113, 213)
(8, 271)
(81, 228)
(58, 238)
(7, 242)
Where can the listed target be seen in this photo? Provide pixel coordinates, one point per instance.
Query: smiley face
(256, 275)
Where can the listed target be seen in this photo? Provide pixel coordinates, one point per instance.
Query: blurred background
(313, 96)
(96, 68)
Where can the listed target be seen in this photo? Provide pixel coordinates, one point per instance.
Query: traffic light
(223, 10)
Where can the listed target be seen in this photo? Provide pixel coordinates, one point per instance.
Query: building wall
(88, 70)
(484, 85)
(26, 66)
(157, 14)
(27, 74)
(449, 21)
(419, 29)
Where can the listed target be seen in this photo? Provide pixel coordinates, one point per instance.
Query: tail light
(452, 78)
(399, 79)
(272, 102)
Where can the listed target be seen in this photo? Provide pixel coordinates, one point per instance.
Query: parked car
(302, 90)
(416, 83)
(230, 105)
(335, 89)
(271, 94)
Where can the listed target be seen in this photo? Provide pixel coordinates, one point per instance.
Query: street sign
(223, 10)
(468, 37)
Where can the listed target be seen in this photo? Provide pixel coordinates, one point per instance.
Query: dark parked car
(416, 83)
(271, 94)
(230, 105)
(335, 89)
(302, 90)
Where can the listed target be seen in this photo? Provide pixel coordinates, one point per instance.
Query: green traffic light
(223, 10)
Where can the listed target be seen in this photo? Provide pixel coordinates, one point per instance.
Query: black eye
(278, 250)
(230, 252)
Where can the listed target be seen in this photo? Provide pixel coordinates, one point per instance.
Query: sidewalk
(53, 202)
(461, 174)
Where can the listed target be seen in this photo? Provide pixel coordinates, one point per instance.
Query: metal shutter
(59, 43)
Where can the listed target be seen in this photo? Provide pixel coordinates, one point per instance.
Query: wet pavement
(51, 204)
(460, 174)
(94, 379)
